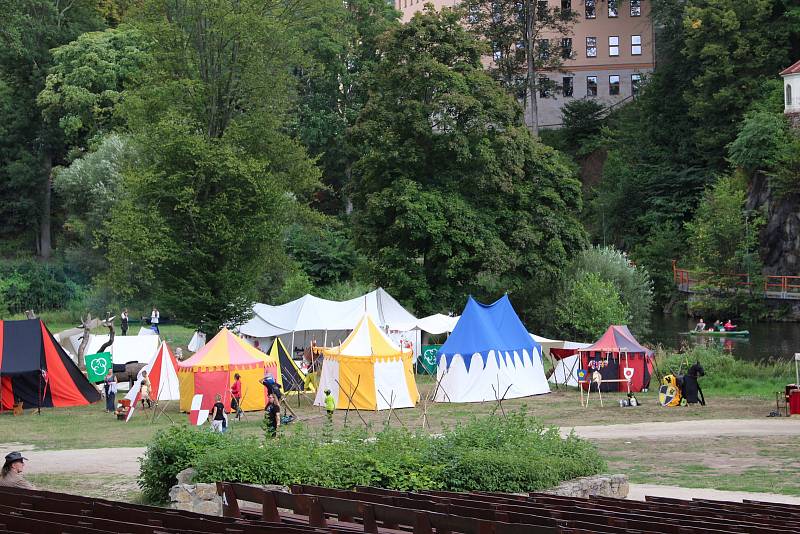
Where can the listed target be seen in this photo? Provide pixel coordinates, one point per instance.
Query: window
(788, 95)
(591, 86)
(566, 48)
(636, 83)
(566, 7)
(613, 10)
(613, 84)
(541, 9)
(497, 55)
(544, 49)
(613, 45)
(636, 8)
(566, 85)
(591, 47)
(474, 14)
(590, 9)
(544, 87)
(636, 45)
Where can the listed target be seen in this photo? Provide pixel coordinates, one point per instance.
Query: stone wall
(615, 486)
(200, 498)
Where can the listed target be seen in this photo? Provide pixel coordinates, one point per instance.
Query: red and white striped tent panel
(162, 370)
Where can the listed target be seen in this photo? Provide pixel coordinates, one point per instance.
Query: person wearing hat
(11, 475)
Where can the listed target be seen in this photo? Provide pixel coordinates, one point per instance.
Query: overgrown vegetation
(727, 376)
(512, 454)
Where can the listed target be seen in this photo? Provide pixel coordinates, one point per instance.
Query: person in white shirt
(154, 320)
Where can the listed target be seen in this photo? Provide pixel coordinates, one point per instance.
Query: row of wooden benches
(309, 509)
(373, 510)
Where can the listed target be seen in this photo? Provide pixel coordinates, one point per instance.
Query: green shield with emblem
(97, 365)
(426, 364)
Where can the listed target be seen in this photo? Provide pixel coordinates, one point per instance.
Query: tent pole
(324, 342)
(291, 349)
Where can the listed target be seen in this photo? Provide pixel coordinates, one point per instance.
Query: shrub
(488, 454)
(172, 451)
(589, 305)
(29, 284)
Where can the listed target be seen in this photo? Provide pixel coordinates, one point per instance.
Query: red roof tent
(794, 69)
(615, 350)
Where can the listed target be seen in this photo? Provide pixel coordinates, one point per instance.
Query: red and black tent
(615, 351)
(36, 370)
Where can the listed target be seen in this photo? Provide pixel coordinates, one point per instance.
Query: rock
(186, 476)
(205, 492)
(208, 507)
(615, 486)
(180, 493)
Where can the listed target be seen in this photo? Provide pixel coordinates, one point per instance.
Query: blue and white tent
(489, 355)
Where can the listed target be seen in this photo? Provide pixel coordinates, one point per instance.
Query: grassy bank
(727, 376)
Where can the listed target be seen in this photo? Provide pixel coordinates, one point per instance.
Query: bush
(172, 451)
(589, 305)
(29, 284)
(488, 454)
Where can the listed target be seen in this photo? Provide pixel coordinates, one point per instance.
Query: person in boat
(729, 326)
(701, 325)
(716, 327)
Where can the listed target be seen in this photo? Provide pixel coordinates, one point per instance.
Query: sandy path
(699, 428)
(121, 461)
(638, 491)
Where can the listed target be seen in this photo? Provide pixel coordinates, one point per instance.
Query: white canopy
(309, 313)
(433, 324)
(566, 369)
(126, 349)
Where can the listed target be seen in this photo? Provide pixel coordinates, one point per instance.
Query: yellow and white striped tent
(369, 368)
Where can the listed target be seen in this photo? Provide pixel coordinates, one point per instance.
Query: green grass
(730, 377)
(755, 464)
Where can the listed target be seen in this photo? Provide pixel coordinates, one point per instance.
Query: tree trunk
(530, 22)
(45, 243)
(110, 324)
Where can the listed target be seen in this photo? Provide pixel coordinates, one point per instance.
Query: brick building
(611, 49)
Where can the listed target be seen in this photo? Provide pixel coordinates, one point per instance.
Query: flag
(197, 416)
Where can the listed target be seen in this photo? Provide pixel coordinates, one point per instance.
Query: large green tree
(219, 176)
(30, 147)
(340, 45)
(452, 194)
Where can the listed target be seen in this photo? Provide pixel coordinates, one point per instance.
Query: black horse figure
(690, 388)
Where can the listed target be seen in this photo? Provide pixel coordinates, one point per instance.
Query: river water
(767, 340)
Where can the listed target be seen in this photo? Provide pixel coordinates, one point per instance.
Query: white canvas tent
(125, 349)
(433, 324)
(326, 321)
(566, 369)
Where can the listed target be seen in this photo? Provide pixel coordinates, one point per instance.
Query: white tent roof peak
(314, 313)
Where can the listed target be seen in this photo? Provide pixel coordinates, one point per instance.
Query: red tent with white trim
(162, 370)
(616, 351)
(35, 369)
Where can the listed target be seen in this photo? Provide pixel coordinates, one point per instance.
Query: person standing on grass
(272, 415)
(124, 320)
(236, 395)
(11, 474)
(330, 405)
(218, 415)
(146, 388)
(154, 319)
(110, 388)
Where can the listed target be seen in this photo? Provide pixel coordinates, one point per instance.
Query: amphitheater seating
(315, 510)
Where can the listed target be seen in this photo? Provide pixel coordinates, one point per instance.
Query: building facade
(611, 49)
